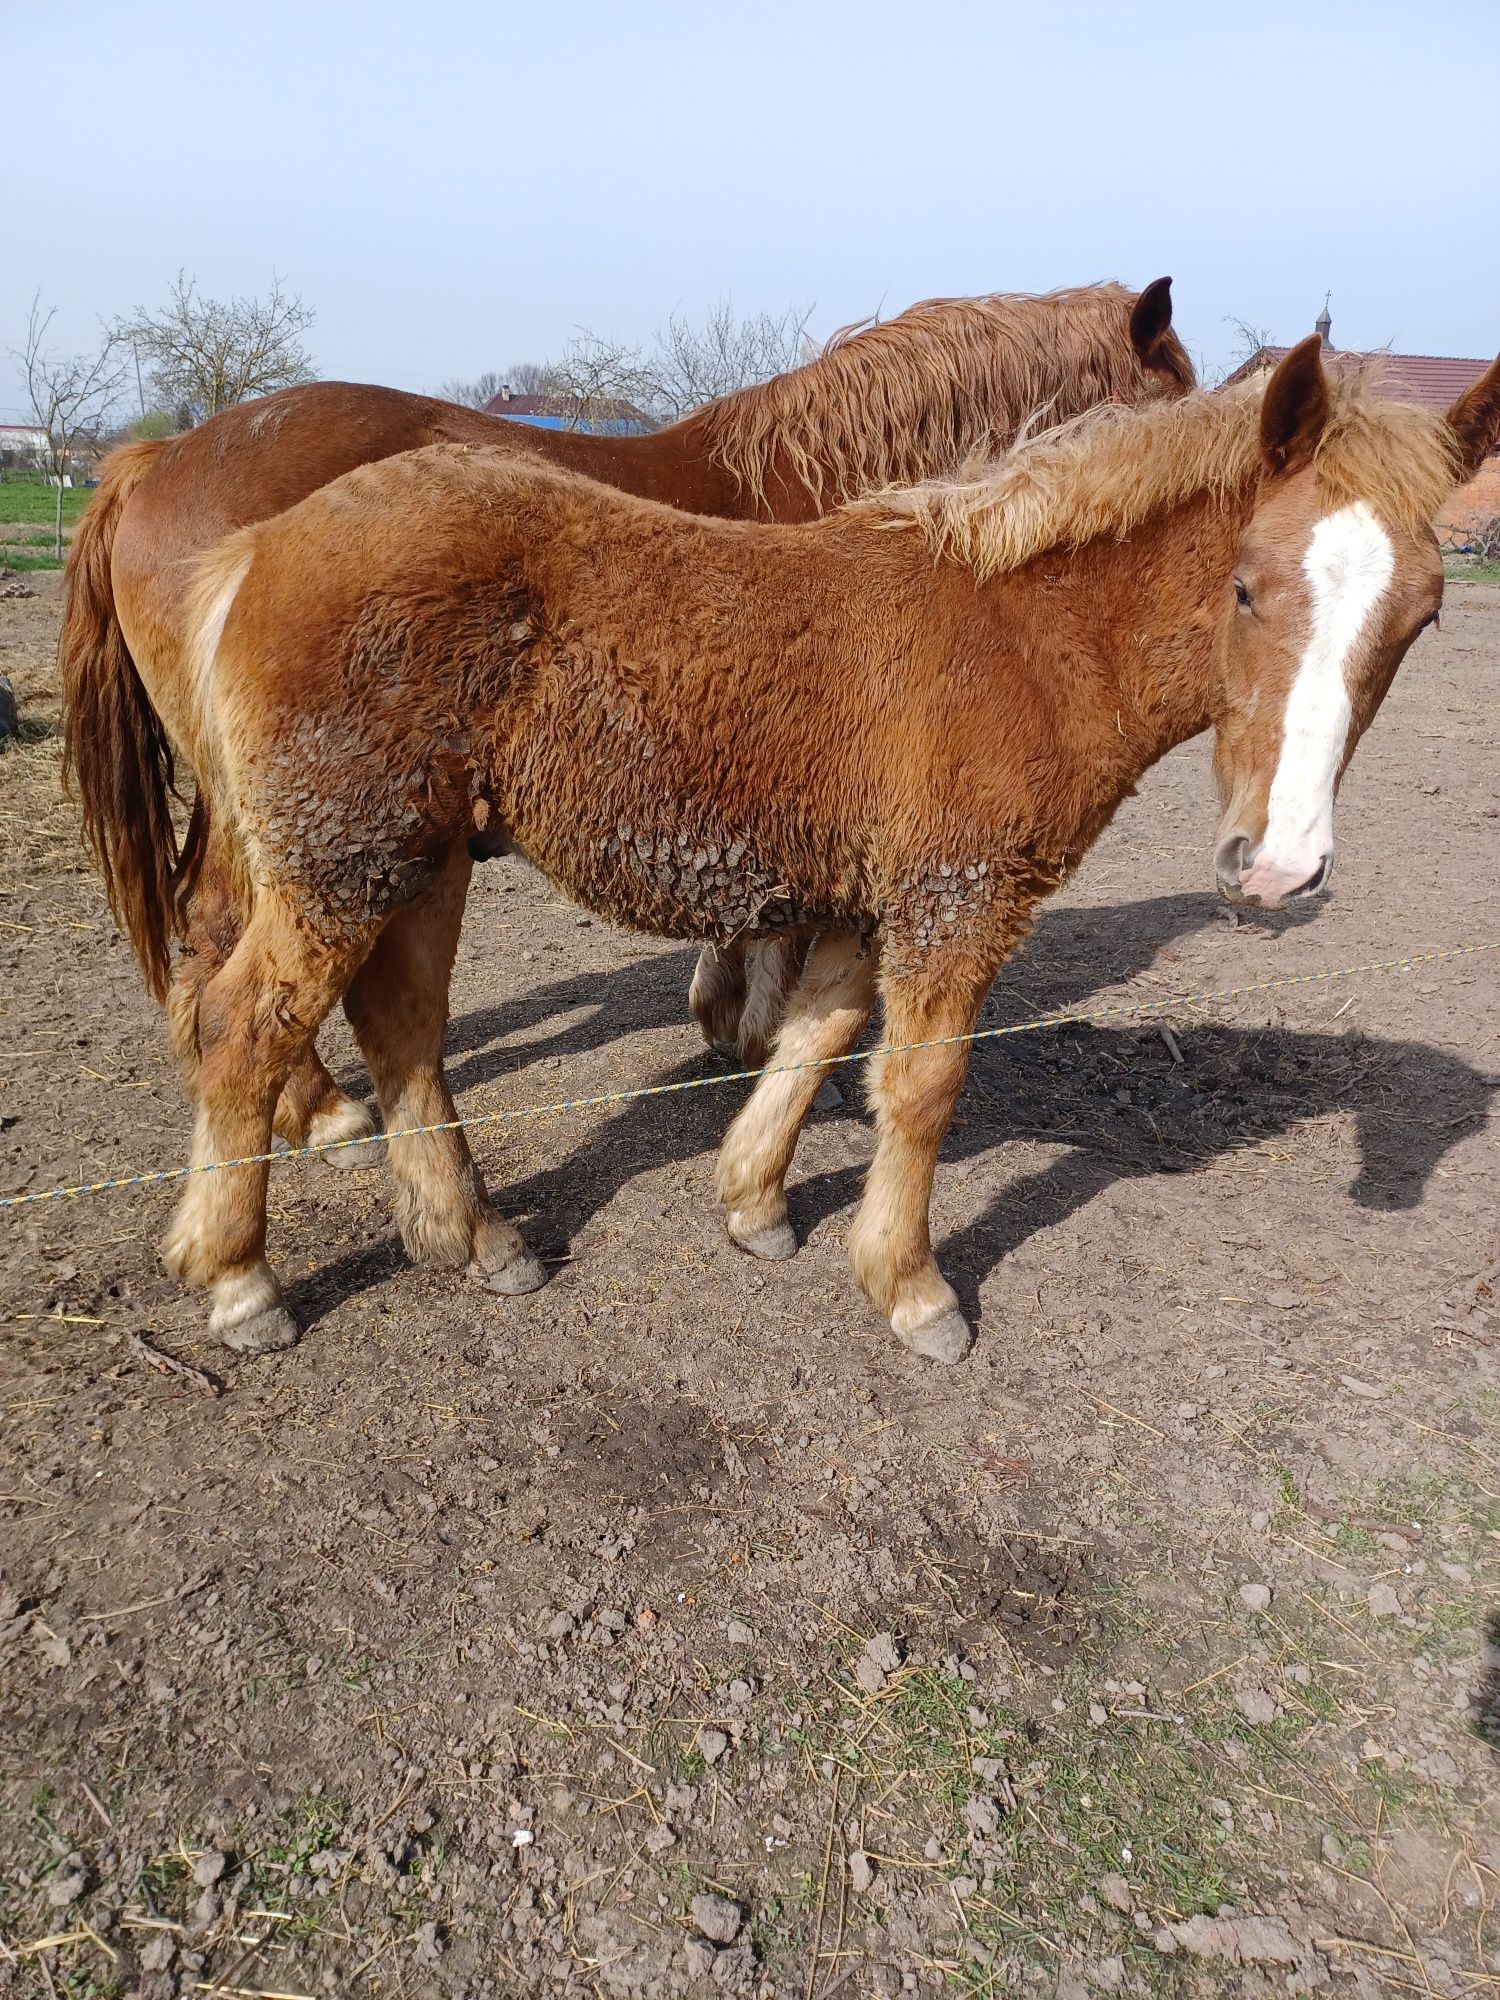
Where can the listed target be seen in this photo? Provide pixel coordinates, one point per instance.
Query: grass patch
(164, 1881)
(31, 499)
(1458, 569)
(1451, 1629)
(1011, 1859)
(18, 559)
(279, 1877)
(1026, 1837)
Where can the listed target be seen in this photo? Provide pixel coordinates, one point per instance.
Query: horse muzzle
(1250, 875)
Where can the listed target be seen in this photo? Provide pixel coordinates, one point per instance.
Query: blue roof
(611, 427)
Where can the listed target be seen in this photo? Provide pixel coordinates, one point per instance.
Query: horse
(882, 405)
(896, 728)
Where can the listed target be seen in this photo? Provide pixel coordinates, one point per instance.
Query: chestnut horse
(892, 403)
(896, 728)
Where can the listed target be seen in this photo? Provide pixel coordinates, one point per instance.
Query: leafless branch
(204, 355)
(522, 378)
(71, 397)
(686, 366)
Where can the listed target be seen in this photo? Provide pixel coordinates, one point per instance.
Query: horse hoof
(267, 1333)
(338, 1130)
(947, 1338)
(774, 1242)
(521, 1274)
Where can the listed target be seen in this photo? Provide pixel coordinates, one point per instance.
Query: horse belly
(629, 839)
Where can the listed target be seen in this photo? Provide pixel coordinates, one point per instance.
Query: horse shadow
(1486, 1702)
(1116, 1098)
(1069, 956)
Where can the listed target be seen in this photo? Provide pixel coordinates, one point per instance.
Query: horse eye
(1241, 595)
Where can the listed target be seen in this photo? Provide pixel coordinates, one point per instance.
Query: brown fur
(902, 399)
(710, 729)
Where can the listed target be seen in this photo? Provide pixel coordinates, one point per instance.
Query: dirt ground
(674, 1630)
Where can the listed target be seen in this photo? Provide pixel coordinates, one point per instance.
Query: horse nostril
(1230, 860)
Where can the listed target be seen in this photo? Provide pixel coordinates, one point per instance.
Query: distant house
(613, 418)
(1434, 380)
(23, 445)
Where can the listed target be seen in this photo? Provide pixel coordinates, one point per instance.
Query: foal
(895, 729)
(892, 403)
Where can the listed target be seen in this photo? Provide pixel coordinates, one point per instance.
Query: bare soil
(674, 1630)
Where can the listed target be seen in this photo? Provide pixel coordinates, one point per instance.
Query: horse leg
(773, 969)
(716, 997)
(254, 1017)
(914, 1092)
(829, 1007)
(398, 1008)
(312, 1110)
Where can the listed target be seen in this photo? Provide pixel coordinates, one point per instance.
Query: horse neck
(1157, 601)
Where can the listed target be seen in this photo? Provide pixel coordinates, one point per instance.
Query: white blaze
(1348, 566)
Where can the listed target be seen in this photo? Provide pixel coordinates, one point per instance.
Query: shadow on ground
(1116, 1098)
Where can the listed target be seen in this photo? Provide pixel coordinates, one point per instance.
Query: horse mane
(943, 382)
(1106, 471)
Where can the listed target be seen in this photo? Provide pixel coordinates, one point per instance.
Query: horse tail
(117, 759)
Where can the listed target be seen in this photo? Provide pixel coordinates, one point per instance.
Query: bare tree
(206, 354)
(1249, 341)
(691, 365)
(70, 395)
(600, 382)
(523, 378)
(473, 395)
(530, 378)
(687, 365)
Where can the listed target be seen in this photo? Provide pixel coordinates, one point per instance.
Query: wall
(1475, 504)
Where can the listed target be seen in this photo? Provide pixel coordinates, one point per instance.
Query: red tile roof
(1438, 380)
(526, 406)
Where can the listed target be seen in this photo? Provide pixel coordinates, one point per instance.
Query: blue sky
(456, 186)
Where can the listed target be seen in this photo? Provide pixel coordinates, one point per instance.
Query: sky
(455, 186)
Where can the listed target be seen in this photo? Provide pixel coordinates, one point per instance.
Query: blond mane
(943, 382)
(1106, 471)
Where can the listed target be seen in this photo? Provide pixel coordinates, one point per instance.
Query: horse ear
(1150, 318)
(1295, 408)
(1475, 421)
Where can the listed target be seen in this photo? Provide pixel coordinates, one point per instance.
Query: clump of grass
(278, 1873)
(32, 500)
(1073, 1807)
(28, 559)
(165, 1881)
